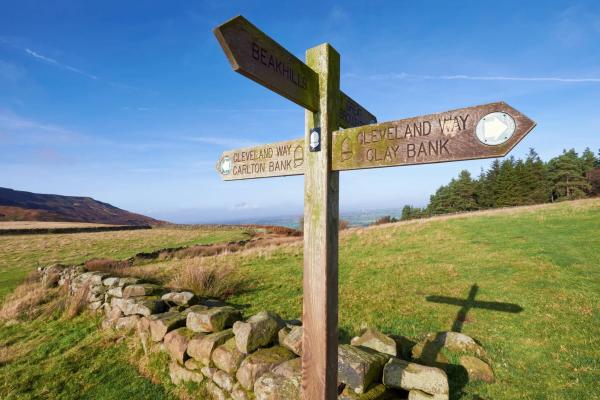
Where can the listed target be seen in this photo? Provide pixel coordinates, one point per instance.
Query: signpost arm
(321, 220)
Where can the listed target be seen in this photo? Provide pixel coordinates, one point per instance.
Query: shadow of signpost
(469, 303)
(431, 352)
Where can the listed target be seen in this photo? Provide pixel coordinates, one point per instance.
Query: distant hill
(16, 205)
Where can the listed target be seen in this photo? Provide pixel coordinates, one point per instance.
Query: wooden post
(321, 220)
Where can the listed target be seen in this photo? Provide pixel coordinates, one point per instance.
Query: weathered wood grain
(269, 160)
(321, 220)
(446, 136)
(352, 114)
(255, 55)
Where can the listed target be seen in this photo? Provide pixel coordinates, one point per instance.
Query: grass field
(544, 259)
(20, 254)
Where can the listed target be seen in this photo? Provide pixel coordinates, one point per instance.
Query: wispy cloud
(127, 108)
(19, 130)
(221, 141)
(243, 206)
(256, 110)
(18, 44)
(10, 72)
(11, 122)
(47, 155)
(52, 61)
(561, 79)
(146, 170)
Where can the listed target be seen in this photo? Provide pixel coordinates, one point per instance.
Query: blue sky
(132, 102)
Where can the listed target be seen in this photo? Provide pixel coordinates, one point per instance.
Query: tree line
(516, 182)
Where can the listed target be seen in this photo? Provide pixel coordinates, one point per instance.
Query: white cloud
(12, 122)
(146, 170)
(58, 64)
(222, 141)
(244, 206)
(249, 110)
(18, 130)
(561, 79)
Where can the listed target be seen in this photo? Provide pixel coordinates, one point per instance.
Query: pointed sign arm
(484, 131)
(255, 55)
(263, 161)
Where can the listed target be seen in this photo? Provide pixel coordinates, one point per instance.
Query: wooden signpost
(276, 159)
(447, 136)
(255, 55)
(490, 130)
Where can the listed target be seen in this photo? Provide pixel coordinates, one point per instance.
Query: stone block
(127, 324)
(400, 374)
(160, 324)
(358, 367)
(289, 369)
(215, 392)
(179, 298)
(227, 357)
(116, 291)
(201, 348)
(223, 380)
(110, 281)
(144, 306)
(95, 305)
(176, 343)
(179, 374)
(258, 331)
(377, 341)
(192, 364)
(293, 340)
(208, 371)
(419, 395)
(126, 281)
(271, 386)
(213, 319)
(260, 362)
(121, 304)
(477, 370)
(282, 334)
(238, 393)
(141, 289)
(374, 392)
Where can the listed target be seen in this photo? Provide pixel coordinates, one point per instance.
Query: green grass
(19, 254)
(546, 260)
(70, 360)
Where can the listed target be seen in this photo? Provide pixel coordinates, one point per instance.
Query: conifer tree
(516, 182)
(588, 160)
(439, 203)
(567, 177)
(464, 193)
(488, 189)
(536, 185)
(505, 184)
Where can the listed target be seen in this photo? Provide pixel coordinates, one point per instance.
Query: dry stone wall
(258, 357)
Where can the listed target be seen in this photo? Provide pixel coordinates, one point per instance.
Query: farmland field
(20, 254)
(543, 259)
